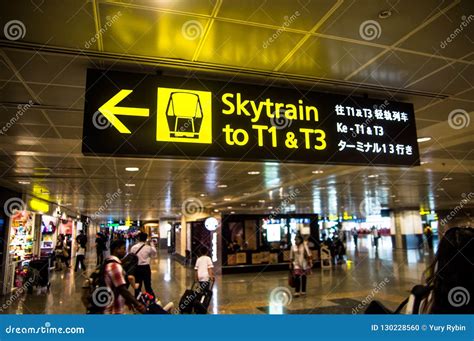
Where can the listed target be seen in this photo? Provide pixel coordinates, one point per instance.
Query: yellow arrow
(110, 110)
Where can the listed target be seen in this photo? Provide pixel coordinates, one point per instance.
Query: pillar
(406, 229)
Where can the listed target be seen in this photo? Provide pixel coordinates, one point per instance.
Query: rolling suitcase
(203, 300)
(186, 302)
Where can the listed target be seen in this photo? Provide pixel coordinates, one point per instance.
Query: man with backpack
(106, 291)
(144, 251)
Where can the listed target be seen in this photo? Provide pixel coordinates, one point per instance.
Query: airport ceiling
(421, 53)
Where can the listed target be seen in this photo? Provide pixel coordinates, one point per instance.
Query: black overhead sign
(139, 115)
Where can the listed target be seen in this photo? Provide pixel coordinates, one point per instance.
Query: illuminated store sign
(157, 116)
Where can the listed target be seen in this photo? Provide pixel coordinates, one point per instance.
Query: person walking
(301, 264)
(100, 247)
(80, 258)
(375, 236)
(114, 278)
(355, 236)
(145, 250)
(203, 270)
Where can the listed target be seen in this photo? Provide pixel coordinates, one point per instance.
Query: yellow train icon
(184, 114)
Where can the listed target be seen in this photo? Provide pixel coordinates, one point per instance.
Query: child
(203, 269)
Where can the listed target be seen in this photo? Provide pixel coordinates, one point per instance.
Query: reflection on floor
(386, 275)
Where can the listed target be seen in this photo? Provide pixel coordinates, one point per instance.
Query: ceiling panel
(150, 33)
(66, 118)
(203, 7)
(451, 80)
(22, 116)
(14, 92)
(53, 22)
(49, 68)
(326, 58)
(397, 69)
(454, 25)
(301, 14)
(441, 110)
(59, 96)
(246, 46)
(349, 18)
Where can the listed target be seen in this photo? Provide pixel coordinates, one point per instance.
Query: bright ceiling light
(130, 185)
(270, 207)
(132, 169)
(423, 139)
(232, 212)
(24, 182)
(229, 207)
(261, 200)
(317, 172)
(222, 186)
(253, 173)
(216, 210)
(202, 195)
(373, 176)
(227, 199)
(447, 178)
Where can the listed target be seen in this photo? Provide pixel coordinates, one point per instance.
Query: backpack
(96, 295)
(420, 292)
(130, 262)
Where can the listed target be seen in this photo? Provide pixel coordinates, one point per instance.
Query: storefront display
(21, 245)
(48, 232)
(258, 243)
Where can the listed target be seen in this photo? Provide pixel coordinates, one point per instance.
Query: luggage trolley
(184, 114)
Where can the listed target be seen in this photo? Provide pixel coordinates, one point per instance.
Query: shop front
(263, 242)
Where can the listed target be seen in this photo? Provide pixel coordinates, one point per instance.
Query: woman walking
(301, 264)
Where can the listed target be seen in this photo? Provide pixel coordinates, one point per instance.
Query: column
(406, 229)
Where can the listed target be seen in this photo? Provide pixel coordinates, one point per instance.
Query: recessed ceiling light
(317, 172)
(423, 139)
(243, 205)
(423, 162)
(246, 193)
(229, 207)
(216, 210)
(202, 195)
(261, 200)
(393, 195)
(130, 185)
(253, 173)
(24, 182)
(373, 176)
(270, 207)
(132, 169)
(233, 212)
(447, 178)
(128, 194)
(385, 14)
(222, 186)
(227, 199)
(213, 203)
(440, 189)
